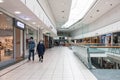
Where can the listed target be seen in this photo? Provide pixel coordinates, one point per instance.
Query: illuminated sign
(20, 24)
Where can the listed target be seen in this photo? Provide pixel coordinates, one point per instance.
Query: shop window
(6, 37)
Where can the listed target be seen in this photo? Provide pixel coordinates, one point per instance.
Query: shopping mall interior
(81, 39)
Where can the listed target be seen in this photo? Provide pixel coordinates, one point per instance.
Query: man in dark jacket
(40, 50)
(31, 45)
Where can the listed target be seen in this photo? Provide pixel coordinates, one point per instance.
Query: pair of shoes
(41, 60)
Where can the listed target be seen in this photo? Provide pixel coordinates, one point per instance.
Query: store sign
(20, 24)
(30, 33)
(108, 34)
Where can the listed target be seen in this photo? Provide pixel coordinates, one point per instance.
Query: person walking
(31, 45)
(40, 50)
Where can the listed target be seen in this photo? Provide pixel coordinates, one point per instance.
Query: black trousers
(31, 52)
(40, 56)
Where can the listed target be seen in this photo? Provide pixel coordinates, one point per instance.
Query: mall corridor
(59, 64)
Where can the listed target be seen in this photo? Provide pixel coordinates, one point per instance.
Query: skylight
(78, 9)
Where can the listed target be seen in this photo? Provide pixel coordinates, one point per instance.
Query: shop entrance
(19, 44)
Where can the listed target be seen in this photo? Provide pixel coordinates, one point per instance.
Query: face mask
(41, 42)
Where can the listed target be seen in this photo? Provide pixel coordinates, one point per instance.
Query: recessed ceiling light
(90, 16)
(97, 10)
(27, 19)
(17, 12)
(110, 4)
(1, 1)
(33, 22)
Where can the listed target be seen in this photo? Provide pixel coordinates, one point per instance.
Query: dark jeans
(31, 52)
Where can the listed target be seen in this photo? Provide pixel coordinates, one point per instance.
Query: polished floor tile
(59, 64)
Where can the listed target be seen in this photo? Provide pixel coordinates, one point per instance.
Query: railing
(83, 51)
(108, 49)
(83, 54)
(96, 44)
(112, 48)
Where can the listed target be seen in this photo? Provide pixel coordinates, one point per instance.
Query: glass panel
(6, 38)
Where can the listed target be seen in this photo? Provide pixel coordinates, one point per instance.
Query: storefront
(19, 28)
(102, 39)
(6, 39)
(51, 42)
(11, 40)
(95, 39)
(116, 38)
(108, 40)
(46, 41)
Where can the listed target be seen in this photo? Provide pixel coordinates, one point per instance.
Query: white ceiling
(96, 11)
(99, 9)
(10, 6)
(60, 10)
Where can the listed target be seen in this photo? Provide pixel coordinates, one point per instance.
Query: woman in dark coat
(40, 50)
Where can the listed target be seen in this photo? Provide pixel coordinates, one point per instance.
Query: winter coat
(40, 48)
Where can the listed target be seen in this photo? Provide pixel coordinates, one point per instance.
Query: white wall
(108, 19)
(47, 9)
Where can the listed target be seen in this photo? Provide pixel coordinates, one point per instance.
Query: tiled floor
(59, 64)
